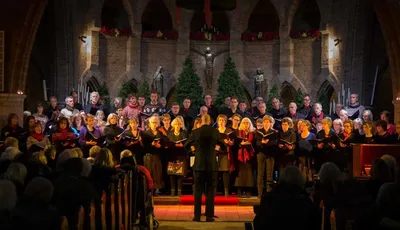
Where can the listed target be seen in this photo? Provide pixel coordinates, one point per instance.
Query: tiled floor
(185, 213)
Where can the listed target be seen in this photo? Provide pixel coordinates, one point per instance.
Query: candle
(330, 108)
(334, 106)
(339, 97)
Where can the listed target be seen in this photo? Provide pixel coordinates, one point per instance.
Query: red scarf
(134, 106)
(247, 152)
(320, 116)
(13, 127)
(38, 137)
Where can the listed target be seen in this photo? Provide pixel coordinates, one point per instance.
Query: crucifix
(209, 56)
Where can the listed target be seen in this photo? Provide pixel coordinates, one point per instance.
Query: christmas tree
(324, 101)
(144, 90)
(126, 89)
(273, 92)
(229, 84)
(105, 94)
(299, 98)
(189, 85)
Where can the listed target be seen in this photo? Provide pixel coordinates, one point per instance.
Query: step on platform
(219, 200)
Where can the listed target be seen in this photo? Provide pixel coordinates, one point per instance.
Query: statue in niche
(209, 57)
(258, 80)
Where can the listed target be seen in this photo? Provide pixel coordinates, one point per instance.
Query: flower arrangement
(162, 35)
(307, 34)
(116, 31)
(209, 34)
(260, 36)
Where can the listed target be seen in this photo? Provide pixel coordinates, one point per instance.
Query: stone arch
(383, 92)
(18, 63)
(327, 90)
(220, 20)
(171, 96)
(156, 16)
(116, 14)
(93, 84)
(126, 77)
(288, 93)
(263, 18)
(248, 8)
(93, 15)
(322, 78)
(294, 7)
(307, 16)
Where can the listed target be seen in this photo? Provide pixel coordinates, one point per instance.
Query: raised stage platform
(219, 200)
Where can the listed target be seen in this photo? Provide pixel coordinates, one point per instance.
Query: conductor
(205, 168)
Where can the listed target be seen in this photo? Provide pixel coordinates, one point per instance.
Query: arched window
(93, 84)
(325, 95)
(264, 18)
(307, 17)
(113, 15)
(156, 17)
(288, 93)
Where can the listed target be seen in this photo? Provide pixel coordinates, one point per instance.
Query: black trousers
(207, 180)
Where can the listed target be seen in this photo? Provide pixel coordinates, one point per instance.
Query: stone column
(286, 63)
(236, 44)
(134, 51)
(183, 42)
(116, 49)
(94, 50)
(11, 103)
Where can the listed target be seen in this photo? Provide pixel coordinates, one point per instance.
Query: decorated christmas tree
(299, 98)
(188, 85)
(144, 90)
(324, 100)
(229, 84)
(273, 92)
(126, 89)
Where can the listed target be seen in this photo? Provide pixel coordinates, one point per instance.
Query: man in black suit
(204, 140)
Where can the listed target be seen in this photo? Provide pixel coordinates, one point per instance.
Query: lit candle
(339, 97)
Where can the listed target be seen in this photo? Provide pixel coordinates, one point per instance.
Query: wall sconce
(20, 92)
(337, 41)
(82, 38)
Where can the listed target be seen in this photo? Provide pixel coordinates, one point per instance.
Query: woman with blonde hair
(245, 180)
(113, 135)
(153, 140)
(177, 154)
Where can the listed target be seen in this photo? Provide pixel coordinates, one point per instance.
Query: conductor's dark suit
(205, 167)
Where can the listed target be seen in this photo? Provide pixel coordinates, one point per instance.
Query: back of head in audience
(16, 172)
(292, 175)
(329, 172)
(39, 189)
(73, 167)
(8, 195)
(127, 158)
(380, 171)
(10, 153)
(94, 151)
(104, 158)
(64, 156)
(391, 162)
(11, 142)
(79, 152)
(87, 167)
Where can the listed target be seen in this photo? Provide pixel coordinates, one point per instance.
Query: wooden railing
(365, 154)
(115, 210)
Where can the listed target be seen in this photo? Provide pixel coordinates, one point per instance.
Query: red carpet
(219, 200)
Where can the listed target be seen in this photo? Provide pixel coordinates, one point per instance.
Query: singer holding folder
(204, 140)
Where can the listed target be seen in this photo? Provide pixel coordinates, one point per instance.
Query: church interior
(328, 50)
